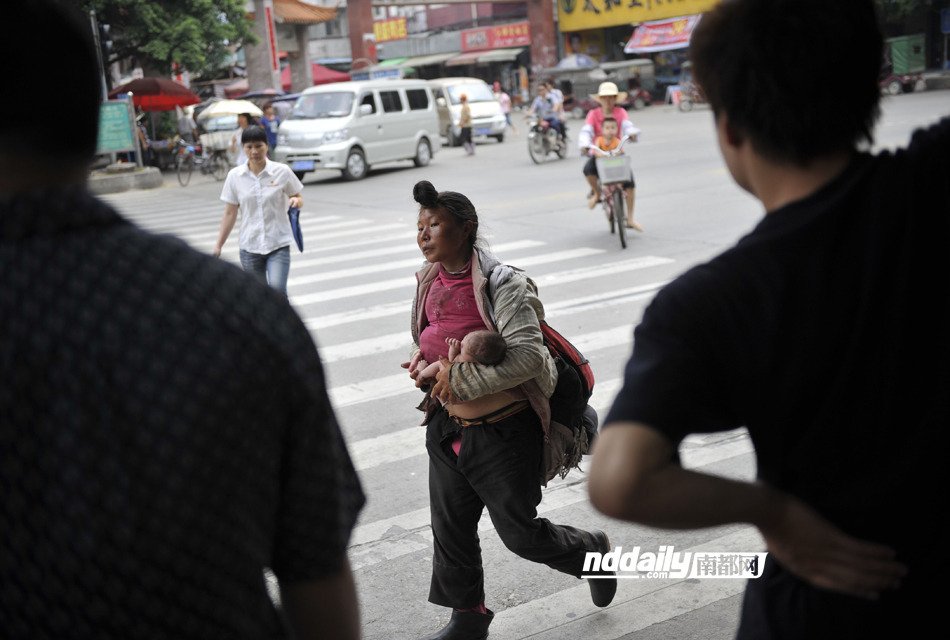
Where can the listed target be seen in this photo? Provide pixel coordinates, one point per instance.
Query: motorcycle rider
(548, 109)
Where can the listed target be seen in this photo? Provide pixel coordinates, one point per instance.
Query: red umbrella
(156, 94)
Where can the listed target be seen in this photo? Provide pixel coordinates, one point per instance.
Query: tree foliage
(894, 10)
(197, 35)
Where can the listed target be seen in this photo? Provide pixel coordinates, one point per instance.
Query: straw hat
(609, 89)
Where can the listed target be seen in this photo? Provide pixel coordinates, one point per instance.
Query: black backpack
(573, 421)
(570, 401)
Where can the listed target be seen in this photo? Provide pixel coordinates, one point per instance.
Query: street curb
(145, 178)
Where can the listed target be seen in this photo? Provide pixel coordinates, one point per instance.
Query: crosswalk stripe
(401, 248)
(366, 347)
(559, 256)
(359, 315)
(399, 384)
(560, 277)
(637, 605)
(336, 234)
(316, 230)
(380, 540)
(557, 309)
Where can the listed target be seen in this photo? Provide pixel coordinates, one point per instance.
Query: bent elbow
(617, 490)
(610, 498)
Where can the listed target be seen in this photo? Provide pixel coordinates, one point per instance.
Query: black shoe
(602, 590)
(464, 625)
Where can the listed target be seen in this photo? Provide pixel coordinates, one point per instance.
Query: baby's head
(609, 128)
(484, 347)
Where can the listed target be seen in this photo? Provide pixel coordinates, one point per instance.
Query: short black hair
(799, 78)
(609, 119)
(66, 47)
(254, 133)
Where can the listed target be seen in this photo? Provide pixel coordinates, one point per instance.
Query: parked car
(352, 126)
(488, 120)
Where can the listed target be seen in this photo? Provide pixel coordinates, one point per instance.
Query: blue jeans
(272, 267)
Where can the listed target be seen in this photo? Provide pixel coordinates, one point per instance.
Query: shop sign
(578, 15)
(115, 127)
(662, 35)
(503, 36)
(392, 29)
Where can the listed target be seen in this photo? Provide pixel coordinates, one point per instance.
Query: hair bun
(425, 194)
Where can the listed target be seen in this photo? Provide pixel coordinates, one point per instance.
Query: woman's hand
(296, 202)
(415, 367)
(216, 252)
(442, 389)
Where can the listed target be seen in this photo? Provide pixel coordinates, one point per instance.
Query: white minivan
(487, 117)
(351, 126)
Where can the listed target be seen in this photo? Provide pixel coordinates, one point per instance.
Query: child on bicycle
(605, 143)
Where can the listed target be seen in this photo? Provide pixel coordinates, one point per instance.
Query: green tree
(197, 35)
(896, 10)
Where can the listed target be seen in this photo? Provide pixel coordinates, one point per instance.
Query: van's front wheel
(423, 153)
(355, 165)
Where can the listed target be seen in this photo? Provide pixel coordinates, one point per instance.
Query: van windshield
(332, 104)
(476, 92)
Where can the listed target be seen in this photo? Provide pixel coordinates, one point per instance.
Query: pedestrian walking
(165, 428)
(186, 125)
(809, 333)
(236, 147)
(493, 460)
(271, 123)
(261, 190)
(465, 126)
(505, 101)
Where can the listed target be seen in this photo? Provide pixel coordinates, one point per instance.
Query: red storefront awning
(662, 35)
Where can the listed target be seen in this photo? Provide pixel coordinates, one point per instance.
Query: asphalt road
(353, 284)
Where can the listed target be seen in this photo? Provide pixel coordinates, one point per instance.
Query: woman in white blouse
(262, 190)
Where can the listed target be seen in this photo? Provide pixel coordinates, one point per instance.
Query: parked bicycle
(189, 156)
(613, 169)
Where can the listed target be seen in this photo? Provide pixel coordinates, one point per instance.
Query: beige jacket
(507, 301)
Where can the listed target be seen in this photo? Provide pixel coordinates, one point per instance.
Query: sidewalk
(937, 79)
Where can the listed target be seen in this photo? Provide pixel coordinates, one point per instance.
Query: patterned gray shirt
(165, 435)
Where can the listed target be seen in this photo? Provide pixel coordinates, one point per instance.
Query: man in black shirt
(820, 332)
(165, 430)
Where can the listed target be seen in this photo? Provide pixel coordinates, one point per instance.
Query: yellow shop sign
(579, 15)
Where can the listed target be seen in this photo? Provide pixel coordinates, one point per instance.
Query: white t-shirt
(262, 205)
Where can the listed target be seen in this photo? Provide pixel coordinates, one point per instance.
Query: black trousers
(498, 468)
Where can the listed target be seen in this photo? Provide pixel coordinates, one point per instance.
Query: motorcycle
(544, 140)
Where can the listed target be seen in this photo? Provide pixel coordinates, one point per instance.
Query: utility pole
(97, 36)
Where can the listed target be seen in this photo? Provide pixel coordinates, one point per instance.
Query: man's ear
(728, 133)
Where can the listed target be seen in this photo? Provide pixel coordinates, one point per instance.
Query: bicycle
(189, 157)
(613, 169)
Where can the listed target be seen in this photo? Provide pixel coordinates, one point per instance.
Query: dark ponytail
(452, 202)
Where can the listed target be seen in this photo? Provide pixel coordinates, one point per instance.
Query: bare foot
(633, 225)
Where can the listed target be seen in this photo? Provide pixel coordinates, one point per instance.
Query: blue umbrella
(294, 214)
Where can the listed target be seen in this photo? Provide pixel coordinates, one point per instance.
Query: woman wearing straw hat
(608, 96)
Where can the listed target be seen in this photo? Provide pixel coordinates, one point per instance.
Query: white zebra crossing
(379, 259)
